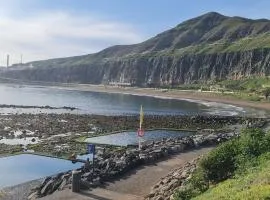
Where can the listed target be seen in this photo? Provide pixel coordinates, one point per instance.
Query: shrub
(184, 193)
(266, 92)
(220, 163)
(199, 180)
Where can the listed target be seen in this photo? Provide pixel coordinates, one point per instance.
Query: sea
(109, 103)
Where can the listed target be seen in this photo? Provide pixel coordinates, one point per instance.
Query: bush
(266, 92)
(220, 163)
(199, 180)
(184, 193)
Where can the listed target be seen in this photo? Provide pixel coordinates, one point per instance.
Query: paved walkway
(133, 185)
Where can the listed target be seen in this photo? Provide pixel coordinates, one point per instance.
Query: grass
(244, 96)
(254, 184)
(261, 41)
(250, 89)
(247, 84)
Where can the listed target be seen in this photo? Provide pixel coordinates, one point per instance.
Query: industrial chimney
(7, 60)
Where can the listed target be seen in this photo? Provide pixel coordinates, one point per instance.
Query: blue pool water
(18, 169)
(130, 138)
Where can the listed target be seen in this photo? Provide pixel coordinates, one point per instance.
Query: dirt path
(135, 184)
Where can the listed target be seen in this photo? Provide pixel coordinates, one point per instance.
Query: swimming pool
(22, 168)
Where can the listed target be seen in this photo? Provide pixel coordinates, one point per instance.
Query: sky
(43, 29)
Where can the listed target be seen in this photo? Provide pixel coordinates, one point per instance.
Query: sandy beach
(172, 94)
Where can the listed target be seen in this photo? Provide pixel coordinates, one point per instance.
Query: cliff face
(161, 70)
(209, 47)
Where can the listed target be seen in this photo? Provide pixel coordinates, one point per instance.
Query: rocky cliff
(206, 48)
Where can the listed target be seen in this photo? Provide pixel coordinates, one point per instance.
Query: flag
(141, 117)
(91, 148)
(140, 133)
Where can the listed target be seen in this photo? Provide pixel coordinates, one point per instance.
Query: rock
(47, 187)
(63, 184)
(150, 195)
(33, 196)
(159, 197)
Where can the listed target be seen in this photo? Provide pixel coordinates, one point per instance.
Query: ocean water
(108, 104)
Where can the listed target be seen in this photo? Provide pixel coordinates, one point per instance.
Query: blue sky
(41, 29)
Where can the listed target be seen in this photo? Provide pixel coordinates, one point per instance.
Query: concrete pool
(22, 168)
(130, 137)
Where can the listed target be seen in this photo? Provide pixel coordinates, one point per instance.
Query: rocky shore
(39, 107)
(165, 188)
(114, 164)
(58, 134)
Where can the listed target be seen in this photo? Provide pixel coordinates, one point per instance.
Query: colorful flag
(140, 132)
(91, 148)
(141, 117)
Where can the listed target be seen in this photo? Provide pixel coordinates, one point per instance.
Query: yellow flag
(141, 117)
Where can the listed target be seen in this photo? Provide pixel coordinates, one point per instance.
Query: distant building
(120, 84)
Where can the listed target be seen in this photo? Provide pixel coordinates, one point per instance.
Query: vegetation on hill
(207, 34)
(237, 169)
(253, 185)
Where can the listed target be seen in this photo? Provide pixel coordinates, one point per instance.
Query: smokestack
(7, 60)
(21, 59)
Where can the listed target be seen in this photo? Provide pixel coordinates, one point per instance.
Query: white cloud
(59, 34)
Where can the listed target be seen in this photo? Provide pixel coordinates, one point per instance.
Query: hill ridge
(208, 47)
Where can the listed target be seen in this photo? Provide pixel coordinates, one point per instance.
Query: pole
(8, 60)
(93, 163)
(140, 137)
(140, 130)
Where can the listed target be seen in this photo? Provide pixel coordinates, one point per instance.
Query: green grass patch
(254, 184)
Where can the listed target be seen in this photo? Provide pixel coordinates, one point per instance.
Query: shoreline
(191, 96)
(203, 98)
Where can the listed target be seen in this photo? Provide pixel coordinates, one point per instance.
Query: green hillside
(236, 170)
(252, 185)
(206, 34)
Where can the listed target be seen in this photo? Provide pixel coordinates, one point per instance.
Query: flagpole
(140, 130)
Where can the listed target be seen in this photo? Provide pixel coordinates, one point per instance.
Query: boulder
(48, 186)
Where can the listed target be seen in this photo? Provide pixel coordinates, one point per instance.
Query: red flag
(140, 132)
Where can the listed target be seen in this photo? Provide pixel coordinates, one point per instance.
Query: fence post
(76, 179)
